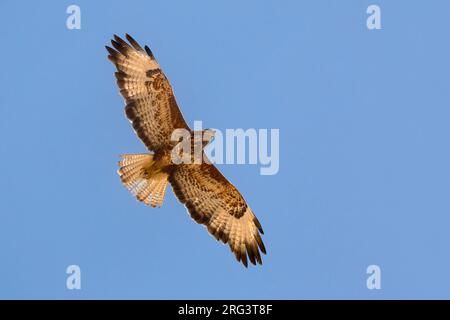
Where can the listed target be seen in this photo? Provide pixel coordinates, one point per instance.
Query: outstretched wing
(150, 102)
(214, 202)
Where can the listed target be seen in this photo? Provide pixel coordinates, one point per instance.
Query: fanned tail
(138, 174)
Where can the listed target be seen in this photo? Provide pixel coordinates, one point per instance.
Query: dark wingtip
(258, 259)
(115, 44)
(260, 243)
(111, 50)
(149, 52)
(250, 253)
(258, 225)
(244, 259)
(263, 248)
(133, 42)
(117, 38)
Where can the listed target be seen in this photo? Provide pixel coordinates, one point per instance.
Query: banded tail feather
(143, 179)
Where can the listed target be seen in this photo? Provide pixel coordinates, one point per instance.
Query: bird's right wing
(150, 103)
(214, 202)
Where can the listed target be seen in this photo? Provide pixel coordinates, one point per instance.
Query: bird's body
(154, 114)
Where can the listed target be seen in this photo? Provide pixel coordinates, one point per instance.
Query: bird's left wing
(214, 202)
(151, 105)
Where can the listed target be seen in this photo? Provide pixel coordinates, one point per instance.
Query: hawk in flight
(209, 197)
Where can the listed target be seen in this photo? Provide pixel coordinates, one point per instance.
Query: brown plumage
(154, 114)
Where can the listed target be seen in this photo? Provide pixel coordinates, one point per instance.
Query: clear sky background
(364, 148)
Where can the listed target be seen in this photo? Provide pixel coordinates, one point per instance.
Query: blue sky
(364, 159)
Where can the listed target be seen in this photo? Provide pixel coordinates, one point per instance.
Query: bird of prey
(209, 197)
